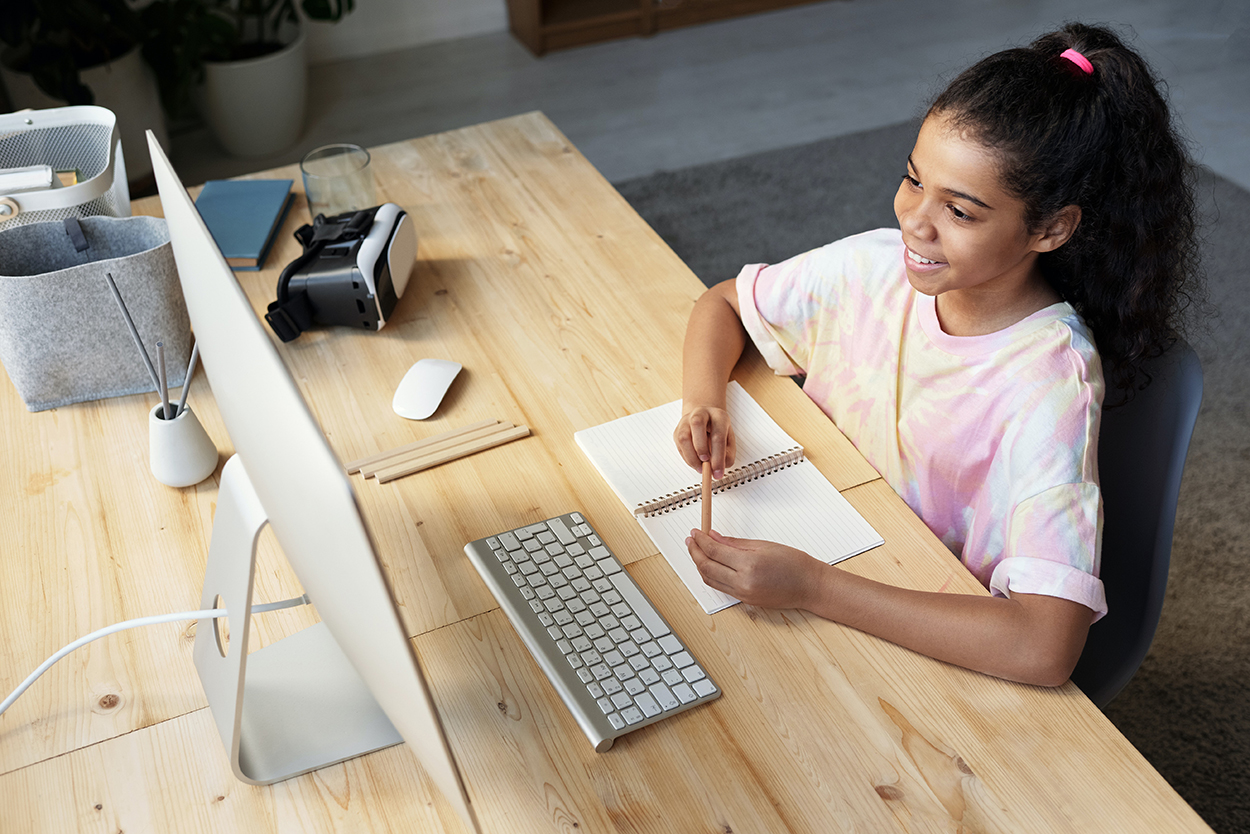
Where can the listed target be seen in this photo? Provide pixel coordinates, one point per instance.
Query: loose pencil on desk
(707, 497)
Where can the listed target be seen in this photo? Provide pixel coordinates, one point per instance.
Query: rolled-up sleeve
(1053, 548)
(766, 338)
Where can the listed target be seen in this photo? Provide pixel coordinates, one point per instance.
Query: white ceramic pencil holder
(180, 452)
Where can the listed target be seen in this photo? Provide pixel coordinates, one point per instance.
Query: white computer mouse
(423, 387)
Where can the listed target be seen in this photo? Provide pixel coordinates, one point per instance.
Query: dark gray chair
(1141, 455)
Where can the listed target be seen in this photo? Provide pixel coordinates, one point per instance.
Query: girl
(1046, 233)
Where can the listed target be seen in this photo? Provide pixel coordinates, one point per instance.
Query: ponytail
(1103, 140)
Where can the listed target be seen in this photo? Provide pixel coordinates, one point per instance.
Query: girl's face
(964, 233)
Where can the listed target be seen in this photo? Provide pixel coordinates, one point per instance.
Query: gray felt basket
(63, 338)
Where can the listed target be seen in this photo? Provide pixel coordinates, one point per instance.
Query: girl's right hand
(704, 433)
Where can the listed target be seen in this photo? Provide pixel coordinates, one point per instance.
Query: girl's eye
(959, 215)
(912, 181)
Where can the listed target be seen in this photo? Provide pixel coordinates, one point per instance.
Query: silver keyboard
(610, 655)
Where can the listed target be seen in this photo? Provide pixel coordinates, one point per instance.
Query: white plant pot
(126, 86)
(256, 107)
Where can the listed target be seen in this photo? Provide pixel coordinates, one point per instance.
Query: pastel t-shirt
(991, 440)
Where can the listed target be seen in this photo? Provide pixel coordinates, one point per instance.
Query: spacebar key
(642, 606)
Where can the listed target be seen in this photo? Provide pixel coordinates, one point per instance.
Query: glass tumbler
(337, 178)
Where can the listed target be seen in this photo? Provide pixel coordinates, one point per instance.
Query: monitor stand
(295, 705)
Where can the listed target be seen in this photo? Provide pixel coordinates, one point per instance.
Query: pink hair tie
(1078, 59)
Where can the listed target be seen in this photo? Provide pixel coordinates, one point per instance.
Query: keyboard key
(682, 659)
(661, 663)
(629, 648)
(704, 687)
(622, 700)
(544, 617)
(631, 715)
(653, 621)
(537, 607)
(493, 543)
(532, 546)
(594, 631)
(577, 518)
(605, 705)
(600, 552)
(684, 693)
(555, 632)
(610, 596)
(648, 704)
(670, 644)
(527, 592)
(611, 686)
(664, 696)
(692, 673)
(584, 675)
(613, 658)
(631, 623)
(575, 661)
(572, 630)
(593, 573)
(672, 677)
(604, 644)
(591, 657)
(584, 618)
(564, 646)
(616, 721)
(634, 686)
(595, 690)
(509, 541)
(561, 530)
(563, 617)
(544, 591)
(638, 662)
(592, 538)
(600, 672)
(581, 644)
(649, 676)
(623, 672)
(581, 559)
(502, 555)
(651, 649)
(639, 635)
(602, 584)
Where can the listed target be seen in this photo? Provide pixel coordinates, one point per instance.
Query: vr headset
(354, 270)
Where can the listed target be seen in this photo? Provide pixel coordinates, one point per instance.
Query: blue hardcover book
(244, 217)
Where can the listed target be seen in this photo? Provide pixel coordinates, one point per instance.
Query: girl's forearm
(1031, 639)
(714, 342)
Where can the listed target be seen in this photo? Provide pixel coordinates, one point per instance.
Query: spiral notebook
(772, 492)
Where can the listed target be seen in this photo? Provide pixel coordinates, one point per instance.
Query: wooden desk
(566, 311)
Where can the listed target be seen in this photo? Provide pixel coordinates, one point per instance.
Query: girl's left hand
(757, 572)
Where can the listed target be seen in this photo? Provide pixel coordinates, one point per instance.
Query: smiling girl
(1045, 232)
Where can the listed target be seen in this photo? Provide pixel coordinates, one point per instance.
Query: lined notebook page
(637, 457)
(796, 505)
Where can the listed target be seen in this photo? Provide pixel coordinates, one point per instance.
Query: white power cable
(208, 614)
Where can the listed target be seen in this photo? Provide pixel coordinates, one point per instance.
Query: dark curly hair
(1104, 141)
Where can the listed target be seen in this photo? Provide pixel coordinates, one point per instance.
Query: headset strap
(292, 313)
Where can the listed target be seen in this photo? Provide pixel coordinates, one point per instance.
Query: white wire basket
(82, 139)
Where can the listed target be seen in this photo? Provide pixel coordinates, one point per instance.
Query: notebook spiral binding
(734, 477)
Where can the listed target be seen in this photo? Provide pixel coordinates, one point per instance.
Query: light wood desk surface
(566, 310)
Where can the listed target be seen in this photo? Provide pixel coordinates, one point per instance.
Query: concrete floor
(736, 87)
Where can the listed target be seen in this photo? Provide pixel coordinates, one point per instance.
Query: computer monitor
(351, 683)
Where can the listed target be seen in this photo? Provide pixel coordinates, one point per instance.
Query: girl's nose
(914, 219)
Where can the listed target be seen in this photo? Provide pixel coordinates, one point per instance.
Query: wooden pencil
(707, 497)
(433, 447)
(354, 466)
(452, 453)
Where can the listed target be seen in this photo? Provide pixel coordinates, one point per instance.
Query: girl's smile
(965, 235)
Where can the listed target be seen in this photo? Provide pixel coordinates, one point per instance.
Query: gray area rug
(1188, 708)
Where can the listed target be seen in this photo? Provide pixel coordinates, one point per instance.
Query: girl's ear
(1060, 228)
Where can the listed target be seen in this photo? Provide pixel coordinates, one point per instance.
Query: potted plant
(241, 62)
(58, 52)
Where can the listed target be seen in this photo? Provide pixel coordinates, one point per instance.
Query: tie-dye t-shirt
(991, 440)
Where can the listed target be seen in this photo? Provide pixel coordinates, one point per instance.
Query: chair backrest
(1141, 455)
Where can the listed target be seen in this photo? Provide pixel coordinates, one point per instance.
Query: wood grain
(566, 311)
